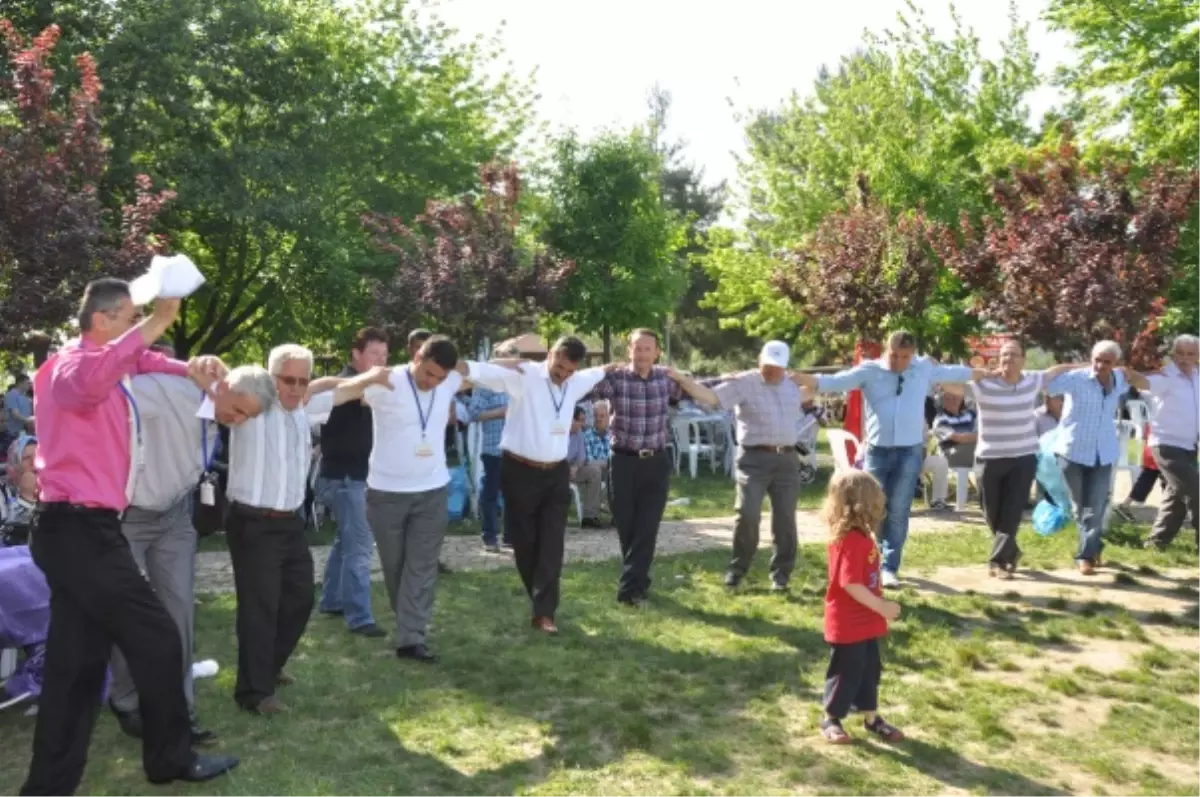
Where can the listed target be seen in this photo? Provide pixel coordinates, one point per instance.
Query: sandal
(833, 732)
(883, 730)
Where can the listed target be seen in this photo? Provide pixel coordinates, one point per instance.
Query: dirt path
(214, 573)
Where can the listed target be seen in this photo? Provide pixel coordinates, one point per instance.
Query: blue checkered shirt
(599, 444)
(1088, 422)
(483, 400)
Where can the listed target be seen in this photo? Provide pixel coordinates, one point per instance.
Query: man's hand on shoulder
(206, 370)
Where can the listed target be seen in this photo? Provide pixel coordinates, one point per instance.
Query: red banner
(985, 351)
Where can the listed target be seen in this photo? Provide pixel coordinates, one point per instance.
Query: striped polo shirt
(1007, 426)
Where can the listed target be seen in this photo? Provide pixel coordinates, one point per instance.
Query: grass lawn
(703, 692)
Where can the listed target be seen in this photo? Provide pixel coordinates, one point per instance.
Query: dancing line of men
(128, 439)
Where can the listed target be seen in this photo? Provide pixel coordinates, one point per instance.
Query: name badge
(558, 428)
(208, 494)
(424, 450)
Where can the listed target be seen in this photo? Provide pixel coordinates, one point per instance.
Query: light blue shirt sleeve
(942, 374)
(1063, 383)
(850, 379)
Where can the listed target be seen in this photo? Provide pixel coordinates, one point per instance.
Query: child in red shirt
(856, 615)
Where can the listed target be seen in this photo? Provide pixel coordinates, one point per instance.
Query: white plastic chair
(837, 445)
(1128, 432)
(578, 502)
(962, 483)
(1139, 412)
(687, 439)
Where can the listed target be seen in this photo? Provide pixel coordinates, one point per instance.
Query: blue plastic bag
(459, 495)
(1049, 474)
(1048, 519)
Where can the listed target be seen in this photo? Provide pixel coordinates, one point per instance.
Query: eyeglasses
(294, 381)
(899, 384)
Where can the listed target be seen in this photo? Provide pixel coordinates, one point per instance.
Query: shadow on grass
(947, 766)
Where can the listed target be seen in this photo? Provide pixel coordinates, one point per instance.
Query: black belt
(642, 453)
(533, 463)
(772, 449)
(258, 511)
(63, 507)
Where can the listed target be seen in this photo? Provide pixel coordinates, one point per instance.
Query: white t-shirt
(403, 458)
(538, 423)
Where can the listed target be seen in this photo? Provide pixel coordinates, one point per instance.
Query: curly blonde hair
(854, 501)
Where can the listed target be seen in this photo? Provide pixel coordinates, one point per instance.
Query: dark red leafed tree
(862, 273)
(1074, 255)
(460, 268)
(54, 231)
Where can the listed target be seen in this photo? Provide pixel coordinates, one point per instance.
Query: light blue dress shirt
(894, 402)
(1089, 417)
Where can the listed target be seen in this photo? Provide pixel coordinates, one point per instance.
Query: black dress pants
(1004, 489)
(98, 599)
(640, 486)
(273, 575)
(536, 501)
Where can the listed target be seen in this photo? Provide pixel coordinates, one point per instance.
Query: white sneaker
(889, 579)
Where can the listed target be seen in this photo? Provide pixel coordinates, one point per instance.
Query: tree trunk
(607, 333)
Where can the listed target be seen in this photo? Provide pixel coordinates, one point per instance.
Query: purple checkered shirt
(640, 418)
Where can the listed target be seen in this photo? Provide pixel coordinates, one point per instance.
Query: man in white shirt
(535, 478)
(269, 458)
(1174, 427)
(407, 478)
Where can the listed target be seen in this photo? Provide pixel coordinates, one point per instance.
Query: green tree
(605, 211)
(1134, 86)
(694, 331)
(278, 123)
(929, 121)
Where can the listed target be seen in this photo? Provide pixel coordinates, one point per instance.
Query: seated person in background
(587, 479)
(1048, 414)
(954, 429)
(20, 494)
(592, 474)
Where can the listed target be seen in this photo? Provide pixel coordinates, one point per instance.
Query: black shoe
(443, 569)
(417, 653)
(732, 580)
(130, 721)
(779, 586)
(331, 612)
(370, 630)
(202, 736)
(203, 768)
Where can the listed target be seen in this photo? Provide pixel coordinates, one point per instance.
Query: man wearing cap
(767, 406)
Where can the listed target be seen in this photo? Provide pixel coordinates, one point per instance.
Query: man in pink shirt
(87, 460)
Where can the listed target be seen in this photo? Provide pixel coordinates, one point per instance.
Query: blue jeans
(1089, 488)
(347, 580)
(898, 469)
(489, 497)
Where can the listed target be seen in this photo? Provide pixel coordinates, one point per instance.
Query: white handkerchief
(208, 410)
(168, 278)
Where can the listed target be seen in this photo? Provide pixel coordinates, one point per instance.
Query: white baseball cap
(776, 353)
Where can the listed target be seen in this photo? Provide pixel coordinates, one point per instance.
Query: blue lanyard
(206, 460)
(137, 416)
(562, 397)
(422, 415)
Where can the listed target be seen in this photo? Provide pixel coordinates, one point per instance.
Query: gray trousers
(1182, 482)
(164, 547)
(763, 474)
(408, 529)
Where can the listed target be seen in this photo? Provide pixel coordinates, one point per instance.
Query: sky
(597, 60)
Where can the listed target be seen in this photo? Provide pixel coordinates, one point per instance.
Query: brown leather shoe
(269, 705)
(283, 679)
(1086, 567)
(545, 624)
